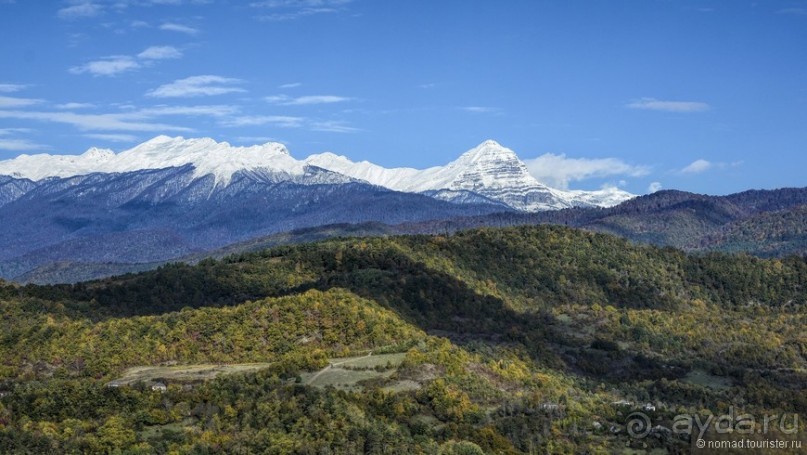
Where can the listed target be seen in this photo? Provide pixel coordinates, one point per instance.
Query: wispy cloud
(281, 121)
(80, 10)
(174, 27)
(333, 126)
(107, 66)
(9, 131)
(112, 137)
(11, 88)
(117, 64)
(132, 121)
(206, 85)
(10, 102)
(701, 165)
(558, 170)
(299, 3)
(653, 187)
(284, 100)
(15, 144)
(71, 106)
(216, 110)
(162, 2)
(481, 109)
(257, 140)
(20, 145)
(160, 53)
(697, 166)
(653, 104)
(286, 10)
(290, 85)
(793, 11)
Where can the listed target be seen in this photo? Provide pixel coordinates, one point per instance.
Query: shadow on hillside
(432, 300)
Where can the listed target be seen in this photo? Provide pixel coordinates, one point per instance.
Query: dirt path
(331, 365)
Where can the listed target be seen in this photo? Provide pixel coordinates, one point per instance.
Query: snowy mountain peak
(98, 154)
(205, 154)
(487, 172)
(208, 157)
(488, 151)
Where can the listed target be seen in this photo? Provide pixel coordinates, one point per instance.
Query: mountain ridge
(488, 170)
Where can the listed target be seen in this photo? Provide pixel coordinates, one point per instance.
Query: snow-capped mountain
(170, 197)
(205, 155)
(488, 170)
(486, 174)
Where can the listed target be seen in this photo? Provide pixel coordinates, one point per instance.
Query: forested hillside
(764, 223)
(533, 339)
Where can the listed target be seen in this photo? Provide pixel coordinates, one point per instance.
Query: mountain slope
(521, 340)
(155, 215)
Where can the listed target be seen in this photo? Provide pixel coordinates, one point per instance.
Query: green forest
(520, 340)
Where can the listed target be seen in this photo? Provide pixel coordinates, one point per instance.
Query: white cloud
(10, 88)
(112, 137)
(79, 10)
(653, 187)
(284, 100)
(108, 66)
(160, 53)
(281, 121)
(8, 101)
(209, 111)
(17, 145)
(95, 122)
(332, 126)
(117, 64)
(172, 27)
(697, 166)
(206, 85)
(290, 85)
(20, 145)
(71, 106)
(653, 104)
(558, 171)
(7, 131)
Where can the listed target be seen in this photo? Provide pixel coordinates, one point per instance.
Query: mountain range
(489, 173)
(172, 197)
(70, 218)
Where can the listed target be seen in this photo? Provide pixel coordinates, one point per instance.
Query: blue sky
(699, 95)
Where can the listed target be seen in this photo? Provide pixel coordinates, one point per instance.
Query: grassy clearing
(182, 373)
(344, 373)
(371, 361)
(159, 432)
(702, 378)
(344, 379)
(347, 373)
